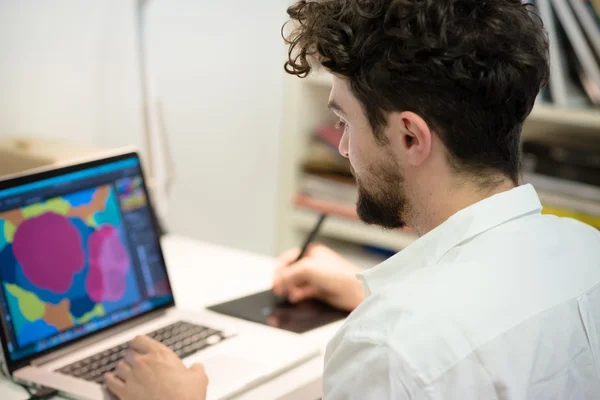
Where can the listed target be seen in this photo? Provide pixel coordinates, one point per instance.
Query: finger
(199, 369)
(130, 358)
(276, 285)
(301, 293)
(273, 320)
(144, 345)
(297, 275)
(284, 261)
(287, 257)
(279, 287)
(114, 384)
(123, 371)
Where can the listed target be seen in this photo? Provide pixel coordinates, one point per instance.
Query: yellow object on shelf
(592, 220)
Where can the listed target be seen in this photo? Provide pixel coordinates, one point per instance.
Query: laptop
(82, 273)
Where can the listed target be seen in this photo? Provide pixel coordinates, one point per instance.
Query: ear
(415, 137)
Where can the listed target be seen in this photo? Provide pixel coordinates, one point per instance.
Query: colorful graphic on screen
(131, 193)
(64, 262)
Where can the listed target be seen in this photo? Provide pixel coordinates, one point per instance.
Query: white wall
(68, 70)
(218, 70)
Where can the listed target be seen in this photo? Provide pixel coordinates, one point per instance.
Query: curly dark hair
(470, 68)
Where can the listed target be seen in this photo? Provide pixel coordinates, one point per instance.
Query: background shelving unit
(306, 108)
(351, 230)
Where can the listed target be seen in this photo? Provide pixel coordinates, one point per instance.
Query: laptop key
(203, 330)
(66, 370)
(90, 376)
(183, 338)
(199, 346)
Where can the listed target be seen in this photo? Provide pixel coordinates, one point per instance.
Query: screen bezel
(38, 175)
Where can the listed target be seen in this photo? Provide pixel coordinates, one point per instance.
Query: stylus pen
(311, 236)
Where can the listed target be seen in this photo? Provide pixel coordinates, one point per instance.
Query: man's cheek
(356, 156)
(356, 167)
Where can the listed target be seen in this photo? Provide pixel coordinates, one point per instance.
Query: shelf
(353, 231)
(582, 117)
(306, 110)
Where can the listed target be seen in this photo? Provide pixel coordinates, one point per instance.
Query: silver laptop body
(82, 272)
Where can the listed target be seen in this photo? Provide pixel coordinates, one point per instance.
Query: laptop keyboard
(183, 338)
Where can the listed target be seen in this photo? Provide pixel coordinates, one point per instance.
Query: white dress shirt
(498, 302)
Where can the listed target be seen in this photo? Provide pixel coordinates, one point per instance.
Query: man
(495, 300)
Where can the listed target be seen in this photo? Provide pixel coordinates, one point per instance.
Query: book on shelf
(328, 193)
(570, 158)
(323, 156)
(574, 39)
(585, 56)
(589, 21)
(565, 170)
(330, 135)
(558, 73)
(562, 197)
(326, 184)
(325, 206)
(554, 202)
(592, 220)
(594, 7)
(575, 192)
(559, 196)
(566, 174)
(568, 206)
(329, 187)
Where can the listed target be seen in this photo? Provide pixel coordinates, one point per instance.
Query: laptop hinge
(95, 338)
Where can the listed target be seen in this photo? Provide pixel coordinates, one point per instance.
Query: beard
(381, 198)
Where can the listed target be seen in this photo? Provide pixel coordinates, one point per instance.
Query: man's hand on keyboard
(151, 371)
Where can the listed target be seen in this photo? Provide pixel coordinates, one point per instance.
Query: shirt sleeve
(363, 369)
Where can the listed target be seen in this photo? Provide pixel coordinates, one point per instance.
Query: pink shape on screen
(50, 251)
(94, 285)
(109, 262)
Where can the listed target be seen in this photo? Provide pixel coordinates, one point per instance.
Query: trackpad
(222, 369)
(267, 309)
(228, 375)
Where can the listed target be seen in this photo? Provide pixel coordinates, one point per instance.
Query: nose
(343, 146)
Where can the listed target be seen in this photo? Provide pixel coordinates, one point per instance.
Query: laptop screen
(78, 252)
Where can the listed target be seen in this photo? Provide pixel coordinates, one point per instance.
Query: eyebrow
(335, 107)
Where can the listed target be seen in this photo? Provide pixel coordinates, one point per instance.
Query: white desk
(204, 274)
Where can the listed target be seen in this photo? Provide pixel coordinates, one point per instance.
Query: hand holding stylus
(320, 274)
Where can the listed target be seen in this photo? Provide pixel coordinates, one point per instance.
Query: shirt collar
(460, 227)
